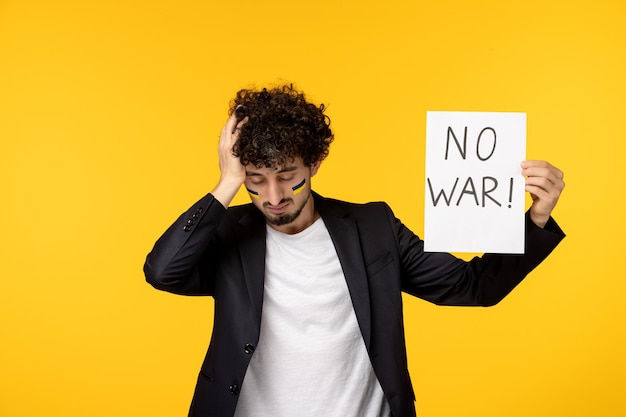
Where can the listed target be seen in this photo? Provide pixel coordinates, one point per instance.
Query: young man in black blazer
(308, 309)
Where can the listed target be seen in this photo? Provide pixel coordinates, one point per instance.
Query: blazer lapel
(344, 233)
(251, 238)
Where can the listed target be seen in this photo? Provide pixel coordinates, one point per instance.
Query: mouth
(279, 209)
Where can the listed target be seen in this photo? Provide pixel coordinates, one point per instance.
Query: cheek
(256, 201)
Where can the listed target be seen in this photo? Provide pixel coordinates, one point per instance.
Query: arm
(183, 258)
(443, 279)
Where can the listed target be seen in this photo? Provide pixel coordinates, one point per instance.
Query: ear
(314, 167)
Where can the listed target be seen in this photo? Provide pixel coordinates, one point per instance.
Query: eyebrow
(286, 169)
(280, 171)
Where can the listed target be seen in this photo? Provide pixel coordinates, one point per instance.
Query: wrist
(539, 220)
(225, 190)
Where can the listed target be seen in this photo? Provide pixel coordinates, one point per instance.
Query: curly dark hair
(281, 126)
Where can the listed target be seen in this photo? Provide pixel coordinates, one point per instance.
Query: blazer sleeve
(444, 279)
(182, 260)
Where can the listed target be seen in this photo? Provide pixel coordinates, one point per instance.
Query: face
(283, 194)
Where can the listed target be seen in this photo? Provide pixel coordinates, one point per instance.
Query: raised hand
(545, 183)
(232, 173)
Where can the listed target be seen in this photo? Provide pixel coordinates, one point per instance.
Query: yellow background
(109, 118)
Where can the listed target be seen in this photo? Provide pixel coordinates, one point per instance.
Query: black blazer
(213, 251)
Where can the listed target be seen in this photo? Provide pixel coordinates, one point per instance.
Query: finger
(226, 139)
(554, 177)
(542, 169)
(543, 187)
(541, 166)
(550, 185)
(535, 163)
(230, 124)
(543, 201)
(240, 112)
(242, 122)
(537, 194)
(238, 128)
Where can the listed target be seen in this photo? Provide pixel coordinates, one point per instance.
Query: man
(308, 308)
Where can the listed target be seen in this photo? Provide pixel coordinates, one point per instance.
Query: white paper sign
(474, 186)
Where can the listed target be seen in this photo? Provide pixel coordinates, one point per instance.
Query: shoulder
(244, 213)
(240, 209)
(335, 206)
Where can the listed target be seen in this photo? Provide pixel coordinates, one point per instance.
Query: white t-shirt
(311, 360)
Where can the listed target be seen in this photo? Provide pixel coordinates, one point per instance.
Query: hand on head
(232, 173)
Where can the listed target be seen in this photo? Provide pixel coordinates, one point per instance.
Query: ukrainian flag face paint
(299, 187)
(296, 189)
(253, 194)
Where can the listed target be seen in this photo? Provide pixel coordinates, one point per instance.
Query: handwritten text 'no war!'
(487, 191)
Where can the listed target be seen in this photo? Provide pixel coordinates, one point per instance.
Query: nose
(274, 194)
